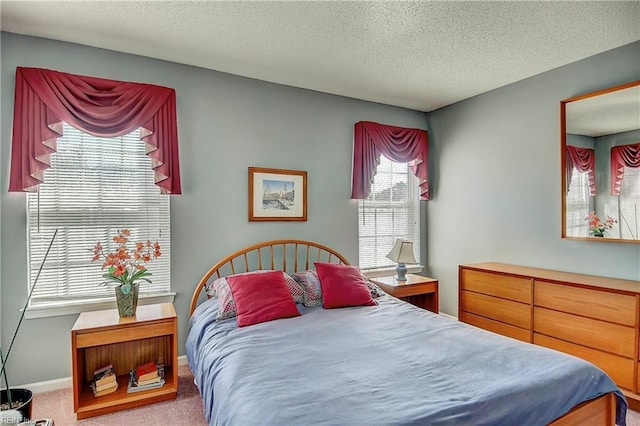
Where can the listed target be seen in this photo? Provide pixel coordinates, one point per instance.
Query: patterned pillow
(310, 283)
(227, 306)
(375, 290)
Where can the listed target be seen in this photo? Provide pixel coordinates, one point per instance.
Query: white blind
(391, 211)
(95, 187)
(628, 225)
(577, 205)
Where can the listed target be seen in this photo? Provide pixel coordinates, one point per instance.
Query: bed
(386, 363)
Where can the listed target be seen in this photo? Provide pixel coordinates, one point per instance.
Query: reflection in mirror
(601, 164)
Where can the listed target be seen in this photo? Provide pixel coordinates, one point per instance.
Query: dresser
(591, 317)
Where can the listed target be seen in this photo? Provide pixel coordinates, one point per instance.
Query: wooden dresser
(591, 317)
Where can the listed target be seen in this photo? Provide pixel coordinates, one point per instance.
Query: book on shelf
(104, 381)
(99, 387)
(103, 371)
(137, 385)
(155, 379)
(108, 388)
(148, 370)
(105, 374)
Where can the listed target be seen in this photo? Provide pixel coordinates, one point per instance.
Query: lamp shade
(402, 252)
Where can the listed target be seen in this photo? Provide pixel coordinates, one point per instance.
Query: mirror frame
(563, 159)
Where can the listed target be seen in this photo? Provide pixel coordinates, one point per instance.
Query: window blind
(629, 199)
(391, 211)
(577, 205)
(95, 187)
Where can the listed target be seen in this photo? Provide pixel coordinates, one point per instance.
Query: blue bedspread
(391, 364)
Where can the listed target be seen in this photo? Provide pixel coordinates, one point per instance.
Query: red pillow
(261, 298)
(342, 285)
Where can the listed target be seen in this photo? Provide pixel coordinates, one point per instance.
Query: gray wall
(496, 189)
(226, 124)
(580, 140)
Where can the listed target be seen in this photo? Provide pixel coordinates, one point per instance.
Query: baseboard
(447, 315)
(66, 382)
(49, 385)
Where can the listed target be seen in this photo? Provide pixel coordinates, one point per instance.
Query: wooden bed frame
(298, 255)
(283, 255)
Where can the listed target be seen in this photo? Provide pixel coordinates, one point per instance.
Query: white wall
(226, 123)
(496, 189)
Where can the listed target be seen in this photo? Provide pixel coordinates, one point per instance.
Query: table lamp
(401, 253)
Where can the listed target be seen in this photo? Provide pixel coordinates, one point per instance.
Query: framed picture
(277, 195)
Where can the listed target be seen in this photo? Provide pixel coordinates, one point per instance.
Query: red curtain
(621, 156)
(583, 160)
(398, 144)
(105, 108)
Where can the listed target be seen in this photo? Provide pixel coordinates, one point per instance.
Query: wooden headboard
(284, 255)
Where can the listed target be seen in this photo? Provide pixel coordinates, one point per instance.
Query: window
(391, 211)
(577, 205)
(629, 198)
(94, 187)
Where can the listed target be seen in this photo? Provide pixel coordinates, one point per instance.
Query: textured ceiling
(606, 114)
(419, 55)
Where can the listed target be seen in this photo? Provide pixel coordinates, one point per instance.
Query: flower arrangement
(127, 268)
(597, 227)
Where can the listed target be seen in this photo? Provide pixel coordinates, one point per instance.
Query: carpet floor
(186, 409)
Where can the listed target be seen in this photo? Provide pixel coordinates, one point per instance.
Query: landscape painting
(277, 195)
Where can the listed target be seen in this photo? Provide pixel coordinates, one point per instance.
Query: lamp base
(401, 272)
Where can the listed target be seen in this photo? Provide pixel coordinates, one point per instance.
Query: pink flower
(597, 226)
(125, 267)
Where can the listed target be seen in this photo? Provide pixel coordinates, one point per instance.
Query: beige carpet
(185, 410)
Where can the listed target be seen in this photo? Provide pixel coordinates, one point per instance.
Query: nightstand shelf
(417, 290)
(102, 337)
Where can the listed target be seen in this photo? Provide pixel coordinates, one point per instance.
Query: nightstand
(100, 338)
(417, 290)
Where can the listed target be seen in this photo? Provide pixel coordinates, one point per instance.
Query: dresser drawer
(496, 327)
(612, 307)
(502, 310)
(613, 338)
(620, 369)
(505, 286)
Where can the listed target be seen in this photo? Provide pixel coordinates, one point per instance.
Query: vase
(127, 303)
(21, 399)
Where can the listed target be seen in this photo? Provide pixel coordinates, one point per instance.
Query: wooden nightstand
(417, 290)
(100, 338)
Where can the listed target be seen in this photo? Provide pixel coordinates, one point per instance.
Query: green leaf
(112, 278)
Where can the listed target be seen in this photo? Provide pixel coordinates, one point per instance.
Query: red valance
(398, 144)
(621, 156)
(106, 108)
(584, 160)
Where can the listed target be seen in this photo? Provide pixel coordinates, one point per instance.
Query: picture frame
(277, 195)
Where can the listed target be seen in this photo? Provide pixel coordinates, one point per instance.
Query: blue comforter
(391, 364)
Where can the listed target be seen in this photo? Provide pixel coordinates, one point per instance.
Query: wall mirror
(600, 143)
